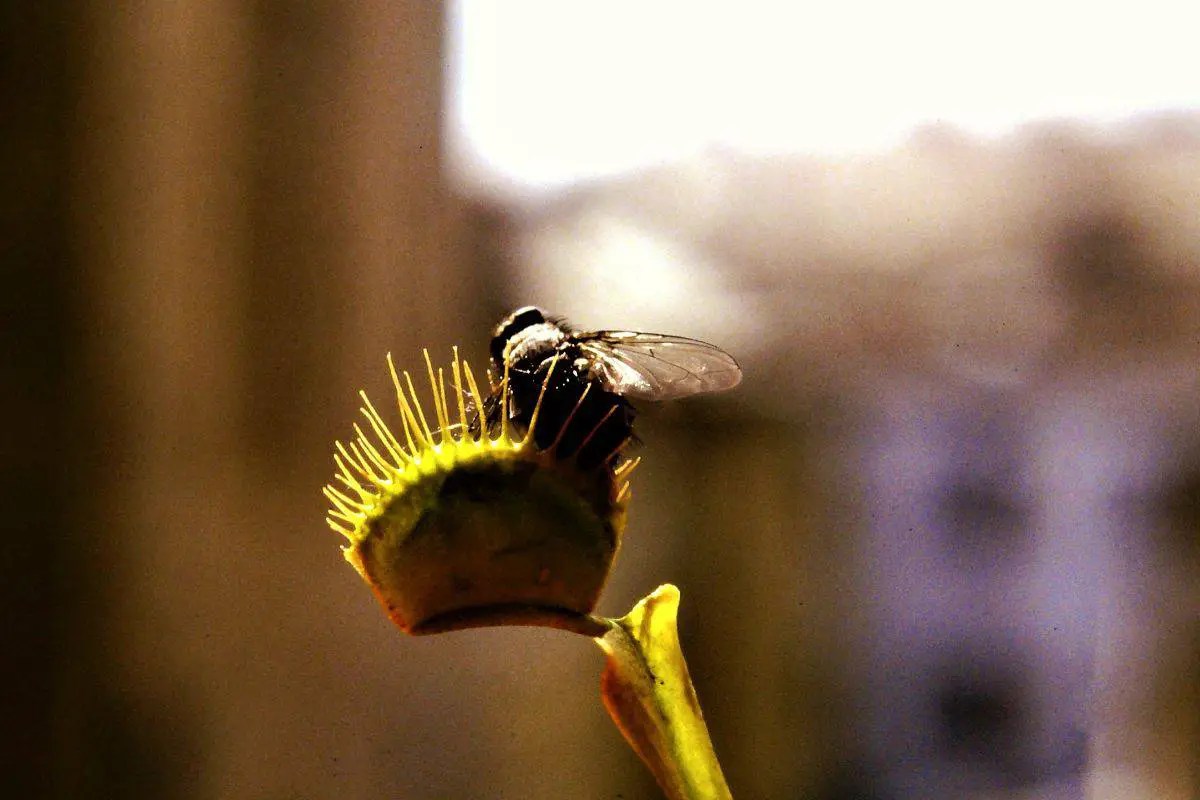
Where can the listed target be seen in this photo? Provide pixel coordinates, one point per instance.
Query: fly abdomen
(590, 424)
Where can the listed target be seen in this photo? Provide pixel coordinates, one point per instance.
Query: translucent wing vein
(654, 366)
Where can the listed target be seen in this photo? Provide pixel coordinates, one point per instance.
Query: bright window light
(545, 92)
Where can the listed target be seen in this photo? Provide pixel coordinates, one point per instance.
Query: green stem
(648, 692)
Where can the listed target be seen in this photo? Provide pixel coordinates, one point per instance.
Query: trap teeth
(455, 527)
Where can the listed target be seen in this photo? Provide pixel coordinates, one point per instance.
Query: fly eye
(522, 318)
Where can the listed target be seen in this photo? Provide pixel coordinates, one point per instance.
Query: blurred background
(942, 543)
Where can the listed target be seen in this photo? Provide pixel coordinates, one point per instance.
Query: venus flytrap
(459, 524)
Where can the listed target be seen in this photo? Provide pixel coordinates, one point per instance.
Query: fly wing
(655, 366)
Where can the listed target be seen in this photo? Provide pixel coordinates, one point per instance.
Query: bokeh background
(942, 543)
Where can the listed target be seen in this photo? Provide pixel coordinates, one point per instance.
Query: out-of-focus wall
(258, 214)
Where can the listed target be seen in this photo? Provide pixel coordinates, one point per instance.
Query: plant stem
(649, 694)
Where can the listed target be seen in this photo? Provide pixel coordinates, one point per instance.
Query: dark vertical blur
(36, 359)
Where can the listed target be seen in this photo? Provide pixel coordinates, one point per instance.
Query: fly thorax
(528, 348)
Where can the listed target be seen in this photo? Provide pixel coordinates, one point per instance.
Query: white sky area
(545, 92)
